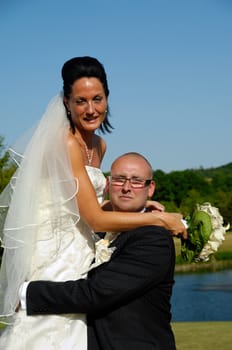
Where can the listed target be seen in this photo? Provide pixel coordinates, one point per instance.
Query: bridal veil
(42, 164)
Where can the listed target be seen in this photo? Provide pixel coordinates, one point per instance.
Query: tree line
(181, 190)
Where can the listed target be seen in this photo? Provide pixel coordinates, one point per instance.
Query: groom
(127, 299)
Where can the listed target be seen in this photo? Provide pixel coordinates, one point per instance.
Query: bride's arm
(100, 220)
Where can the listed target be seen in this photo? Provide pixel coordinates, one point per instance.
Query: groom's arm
(143, 261)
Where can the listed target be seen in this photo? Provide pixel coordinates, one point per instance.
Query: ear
(66, 102)
(107, 185)
(151, 189)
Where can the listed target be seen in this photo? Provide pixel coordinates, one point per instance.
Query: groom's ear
(107, 185)
(151, 189)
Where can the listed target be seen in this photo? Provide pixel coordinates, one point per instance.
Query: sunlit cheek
(79, 112)
(102, 107)
(100, 110)
(103, 116)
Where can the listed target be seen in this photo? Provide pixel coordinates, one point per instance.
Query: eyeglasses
(134, 181)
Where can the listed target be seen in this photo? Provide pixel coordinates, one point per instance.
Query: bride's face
(87, 104)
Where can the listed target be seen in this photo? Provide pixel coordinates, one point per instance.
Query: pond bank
(212, 266)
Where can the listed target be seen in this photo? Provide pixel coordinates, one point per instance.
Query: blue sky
(168, 64)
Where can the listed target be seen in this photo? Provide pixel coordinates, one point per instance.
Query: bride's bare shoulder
(72, 140)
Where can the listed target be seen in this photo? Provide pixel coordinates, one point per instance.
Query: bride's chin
(92, 127)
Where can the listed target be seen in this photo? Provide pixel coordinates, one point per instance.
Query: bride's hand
(174, 223)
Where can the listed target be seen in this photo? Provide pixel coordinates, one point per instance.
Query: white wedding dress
(66, 255)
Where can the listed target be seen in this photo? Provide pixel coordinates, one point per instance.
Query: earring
(69, 113)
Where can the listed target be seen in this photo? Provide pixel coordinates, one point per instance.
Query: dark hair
(80, 67)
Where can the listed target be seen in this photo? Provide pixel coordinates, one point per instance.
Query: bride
(53, 204)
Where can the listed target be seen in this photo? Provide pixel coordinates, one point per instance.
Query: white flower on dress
(102, 251)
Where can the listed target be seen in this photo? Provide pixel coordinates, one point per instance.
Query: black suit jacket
(127, 300)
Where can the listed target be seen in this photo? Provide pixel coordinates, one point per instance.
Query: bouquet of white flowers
(205, 233)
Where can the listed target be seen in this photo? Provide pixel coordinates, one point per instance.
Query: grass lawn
(203, 335)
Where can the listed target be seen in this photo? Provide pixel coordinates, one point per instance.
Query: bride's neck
(86, 138)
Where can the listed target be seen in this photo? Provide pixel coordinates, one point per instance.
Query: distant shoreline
(210, 266)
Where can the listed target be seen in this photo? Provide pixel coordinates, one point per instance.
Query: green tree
(7, 168)
(188, 203)
(164, 188)
(223, 201)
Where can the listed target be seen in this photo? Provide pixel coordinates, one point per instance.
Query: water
(202, 297)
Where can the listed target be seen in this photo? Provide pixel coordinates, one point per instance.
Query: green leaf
(199, 230)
